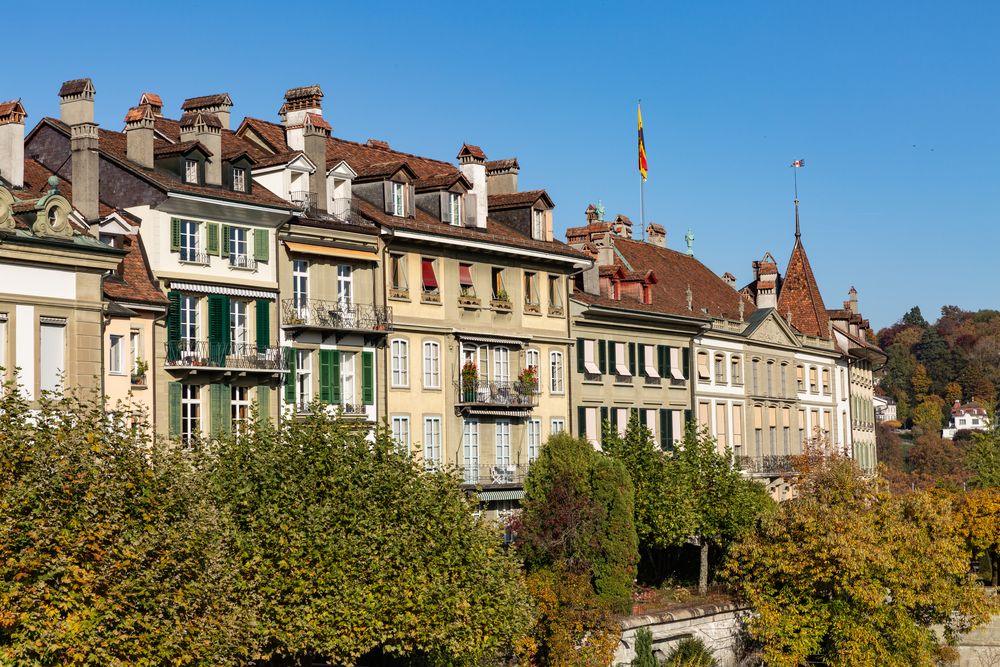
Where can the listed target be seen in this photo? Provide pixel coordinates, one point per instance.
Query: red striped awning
(465, 275)
(430, 280)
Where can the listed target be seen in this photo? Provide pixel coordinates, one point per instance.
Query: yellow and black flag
(642, 148)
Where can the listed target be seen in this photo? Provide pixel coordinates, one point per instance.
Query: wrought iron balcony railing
(242, 356)
(243, 262)
(493, 393)
(342, 208)
(320, 314)
(766, 465)
(493, 474)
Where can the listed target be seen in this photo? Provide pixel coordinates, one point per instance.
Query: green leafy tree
(644, 649)
(690, 652)
(983, 458)
(847, 574)
(952, 392)
(578, 513)
(979, 521)
(927, 416)
(921, 382)
(889, 447)
(347, 547)
(111, 550)
(914, 318)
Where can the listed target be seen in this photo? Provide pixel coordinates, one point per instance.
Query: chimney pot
(220, 105)
(472, 163)
(12, 117)
(206, 129)
(139, 130)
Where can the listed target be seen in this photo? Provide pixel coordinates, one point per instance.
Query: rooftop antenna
(796, 165)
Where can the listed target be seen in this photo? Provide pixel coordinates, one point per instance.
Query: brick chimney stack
(12, 117)
(139, 130)
(76, 109)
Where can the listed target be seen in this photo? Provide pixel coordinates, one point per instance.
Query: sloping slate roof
(115, 146)
(36, 184)
(800, 296)
(675, 273)
(134, 283)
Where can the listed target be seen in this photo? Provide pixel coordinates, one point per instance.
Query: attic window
(239, 179)
(454, 208)
(398, 194)
(191, 171)
(538, 224)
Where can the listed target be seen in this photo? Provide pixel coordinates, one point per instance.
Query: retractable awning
(508, 494)
(330, 251)
(207, 288)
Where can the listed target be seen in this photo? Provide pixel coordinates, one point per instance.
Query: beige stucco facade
(129, 346)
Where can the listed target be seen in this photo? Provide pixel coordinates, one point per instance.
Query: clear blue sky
(894, 106)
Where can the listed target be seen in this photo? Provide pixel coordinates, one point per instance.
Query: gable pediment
(769, 327)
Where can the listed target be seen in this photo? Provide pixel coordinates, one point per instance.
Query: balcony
(189, 256)
(197, 356)
(766, 465)
(342, 208)
(317, 314)
(496, 394)
(486, 475)
(302, 198)
(244, 262)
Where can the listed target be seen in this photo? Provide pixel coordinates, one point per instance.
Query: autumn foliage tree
(979, 521)
(847, 574)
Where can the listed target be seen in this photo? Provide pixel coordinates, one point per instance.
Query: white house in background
(885, 409)
(968, 417)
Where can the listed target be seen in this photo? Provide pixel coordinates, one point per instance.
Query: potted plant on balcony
(501, 301)
(527, 381)
(468, 297)
(470, 380)
(139, 373)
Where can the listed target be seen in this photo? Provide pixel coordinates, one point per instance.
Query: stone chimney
(765, 273)
(299, 102)
(656, 235)
(76, 109)
(219, 104)
(206, 129)
(314, 135)
(852, 300)
(154, 101)
(12, 117)
(501, 176)
(592, 215)
(139, 123)
(730, 279)
(472, 162)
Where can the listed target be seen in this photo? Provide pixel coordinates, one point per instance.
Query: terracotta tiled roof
(381, 169)
(163, 149)
(191, 118)
(74, 87)
(271, 134)
(800, 296)
(12, 108)
(502, 165)
(676, 272)
(445, 180)
(472, 151)
(277, 158)
(655, 227)
(36, 184)
(134, 281)
(152, 99)
(517, 199)
(114, 146)
(219, 99)
(318, 121)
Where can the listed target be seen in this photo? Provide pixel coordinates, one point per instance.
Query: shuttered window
(368, 378)
(261, 245)
(737, 426)
(220, 397)
(262, 309)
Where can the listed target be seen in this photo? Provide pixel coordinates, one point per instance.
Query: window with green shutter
(368, 378)
(174, 408)
(631, 359)
(261, 245)
(221, 417)
(290, 375)
(329, 376)
(263, 311)
(666, 429)
(612, 358)
(218, 328)
(174, 326)
(212, 238)
(224, 246)
(581, 422)
(686, 362)
(263, 403)
(175, 235)
(602, 356)
(581, 356)
(663, 360)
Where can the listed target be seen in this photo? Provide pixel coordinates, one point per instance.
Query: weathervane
(796, 165)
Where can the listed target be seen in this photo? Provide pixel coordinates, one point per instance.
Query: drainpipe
(387, 235)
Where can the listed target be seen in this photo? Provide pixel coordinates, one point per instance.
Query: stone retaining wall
(716, 625)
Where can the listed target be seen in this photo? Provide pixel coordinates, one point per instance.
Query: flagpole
(642, 196)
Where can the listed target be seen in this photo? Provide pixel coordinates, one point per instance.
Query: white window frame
(397, 270)
(533, 357)
(189, 315)
(115, 356)
(432, 443)
(398, 194)
(649, 361)
(592, 426)
(538, 224)
(676, 372)
(52, 355)
(303, 380)
(400, 362)
(348, 377)
(190, 411)
(300, 285)
(432, 364)
(502, 439)
(401, 433)
(623, 417)
(534, 427)
(239, 402)
(135, 349)
(501, 364)
(557, 425)
(470, 450)
(239, 333)
(190, 240)
(191, 171)
(238, 246)
(650, 423)
(557, 377)
(590, 357)
(345, 284)
(455, 208)
(239, 179)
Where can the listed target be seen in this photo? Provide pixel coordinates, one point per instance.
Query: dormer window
(397, 192)
(191, 171)
(239, 179)
(538, 224)
(454, 208)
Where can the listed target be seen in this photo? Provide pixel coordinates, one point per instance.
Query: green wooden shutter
(175, 235)
(581, 422)
(174, 408)
(664, 428)
(326, 375)
(263, 403)
(667, 417)
(260, 245)
(220, 399)
(290, 375)
(335, 394)
(218, 328)
(263, 311)
(174, 326)
(686, 363)
(663, 360)
(224, 245)
(368, 378)
(612, 358)
(602, 356)
(580, 356)
(631, 358)
(212, 238)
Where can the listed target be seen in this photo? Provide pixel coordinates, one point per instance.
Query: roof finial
(798, 230)
(689, 238)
